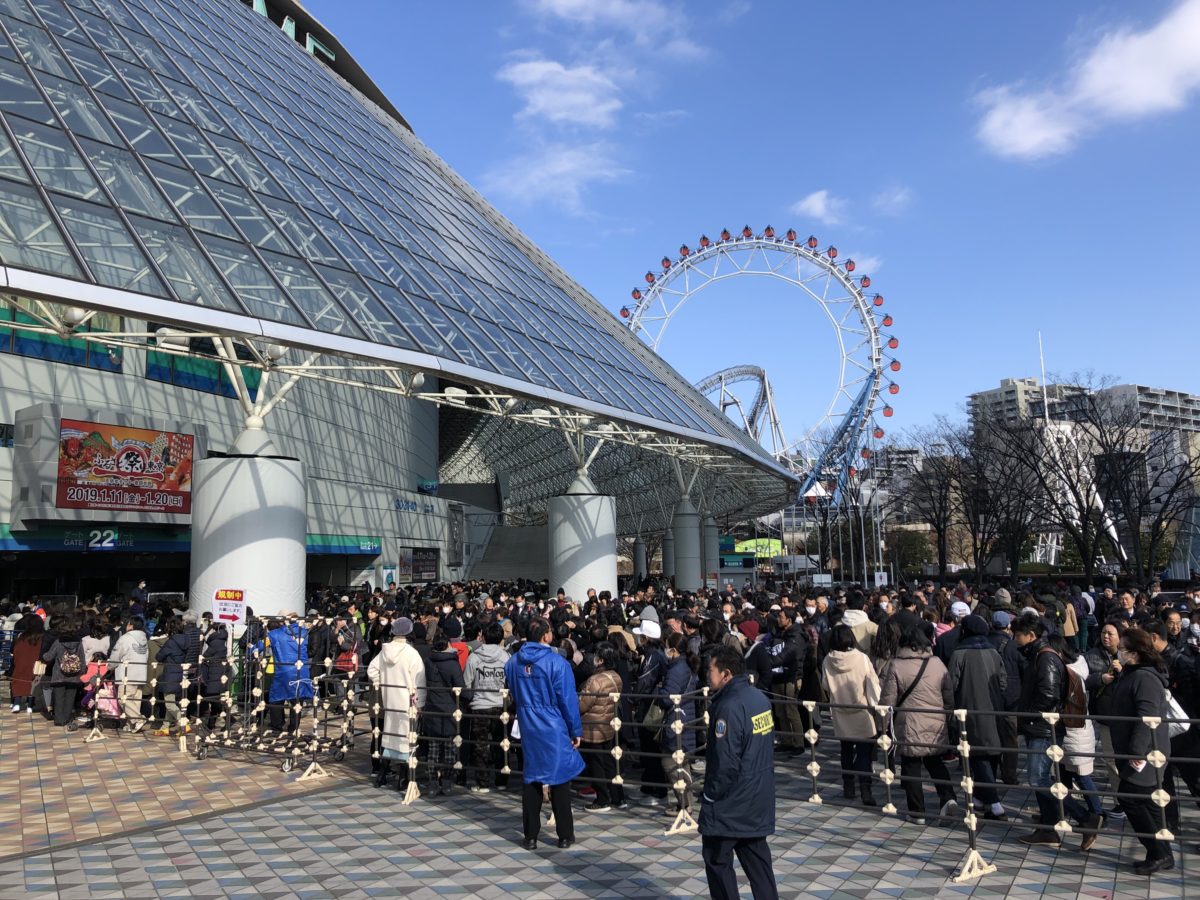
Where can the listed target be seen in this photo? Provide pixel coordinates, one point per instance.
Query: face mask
(883, 604)
(445, 610)
(727, 616)
(811, 610)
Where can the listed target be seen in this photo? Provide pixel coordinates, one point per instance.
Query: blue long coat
(548, 712)
(289, 645)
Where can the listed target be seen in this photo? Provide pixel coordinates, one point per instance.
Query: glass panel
(29, 239)
(195, 149)
(316, 302)
(18, 8)
(10, 163)
(147, 89)
(54, 159)
(241, 208)
(37, 48)
(453, 335)
(78, 109)
(57, 19)
(247, 169)
(191, 276)
(365, 308)
(193, 104)
(131, 188)
(135, 124)
(251, 282)
(96, 71)
(188, 197)
(311, 244)
(110, 252)
(19, 95)
(401, 307)
(102, 33)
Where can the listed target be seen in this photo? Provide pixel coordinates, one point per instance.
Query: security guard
(737, 810)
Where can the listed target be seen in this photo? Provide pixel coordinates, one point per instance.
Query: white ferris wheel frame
(841, 297)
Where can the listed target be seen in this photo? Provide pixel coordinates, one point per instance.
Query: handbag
(39, 668)
(347, 661)
(653, 721)
(1175, 711)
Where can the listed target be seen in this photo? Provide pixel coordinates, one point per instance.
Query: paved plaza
(133, 817)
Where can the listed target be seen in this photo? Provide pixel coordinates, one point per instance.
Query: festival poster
(112, 467)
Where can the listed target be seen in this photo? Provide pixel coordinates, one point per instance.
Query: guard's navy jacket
(739, 779)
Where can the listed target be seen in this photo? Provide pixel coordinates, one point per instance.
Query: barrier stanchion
(681, 779)
(974, 865)
(413, 792)
(1158, 760)
(616, 751)
(315, 769)
(886, 774)
(813, 767)
(505, 743)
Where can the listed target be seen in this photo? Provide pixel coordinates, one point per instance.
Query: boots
(864, 790)
(402, 779)
(381, 775)
(848, 787)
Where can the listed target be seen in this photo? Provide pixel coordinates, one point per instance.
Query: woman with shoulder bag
(917, 687)
(28, 667)
(66, 665)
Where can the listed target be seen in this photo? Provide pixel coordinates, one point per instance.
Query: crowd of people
(445, 653)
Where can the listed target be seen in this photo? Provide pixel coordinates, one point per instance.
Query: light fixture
(74, 316)
(171, 339)
(417, 381)
(276, 352)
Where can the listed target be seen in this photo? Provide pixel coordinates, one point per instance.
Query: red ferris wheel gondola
(704, 242)
(791, 235)
(769, 232)
(831, 252)
(878, 300)
(812, 242)
(888, 412)
(685, 250)
(893, 388)
(725, 235)
(649, 278)
(666, 263)
(895, 365)
(747, 231)
(893, 343)
(851, 265)
(865, 281)
(636, 294)
(877, 434)
(624, 312)
(888, 321)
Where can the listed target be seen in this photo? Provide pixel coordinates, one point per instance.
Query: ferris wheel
(829, 451)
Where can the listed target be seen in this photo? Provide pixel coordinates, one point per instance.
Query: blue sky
(998, 168)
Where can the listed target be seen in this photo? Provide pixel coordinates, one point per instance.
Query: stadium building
(255, 334)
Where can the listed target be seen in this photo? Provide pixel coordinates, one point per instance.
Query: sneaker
(598, 806)
(654, 802)
(1115, 815)
(480, 789)
(622, 807)
(917, 820)
(949, 808)
(16, 707)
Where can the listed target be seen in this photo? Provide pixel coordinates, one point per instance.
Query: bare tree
(927, 490)
(1014, 490)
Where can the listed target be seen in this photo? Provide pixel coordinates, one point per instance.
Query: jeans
(1041, 776)
(983, 771)
(1090, 805)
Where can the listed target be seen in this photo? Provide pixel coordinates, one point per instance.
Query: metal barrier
(233, 719)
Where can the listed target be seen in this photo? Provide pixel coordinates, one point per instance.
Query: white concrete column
(686, 526)
(639, 559)
(582, 532)
(712, 551)
(668, 554)
(249, 528)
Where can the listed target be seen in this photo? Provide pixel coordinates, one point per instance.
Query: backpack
(1075, 703)
(71, 662)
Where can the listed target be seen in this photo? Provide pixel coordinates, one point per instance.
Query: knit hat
(451, 628)
(749, 628)
(974, 626)
(402, 627)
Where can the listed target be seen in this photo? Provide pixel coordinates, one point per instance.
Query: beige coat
(918, 733)
(398, 672)
(849, 678)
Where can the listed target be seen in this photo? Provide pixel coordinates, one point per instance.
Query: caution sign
(229, 605)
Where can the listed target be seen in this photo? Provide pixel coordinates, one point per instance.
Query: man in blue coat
(737, 810)
(543, 689)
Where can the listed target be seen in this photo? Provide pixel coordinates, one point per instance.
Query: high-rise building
(1018, 400)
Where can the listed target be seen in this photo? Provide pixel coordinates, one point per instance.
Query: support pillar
(583, 539)
(249, 528)
(686, 526)
(712, 552)
(668, 554)
(640, 568)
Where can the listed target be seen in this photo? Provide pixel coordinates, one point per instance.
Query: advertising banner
(404, 566)
(113, 467)
(425, 565)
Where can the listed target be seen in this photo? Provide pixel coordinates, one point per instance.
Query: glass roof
(194, 152)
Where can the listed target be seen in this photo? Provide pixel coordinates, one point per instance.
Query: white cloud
(658, 22)
(555, 174)
(1125, 75)
(865, 264)
(822, 206)
(893, 201)
(574, 95)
